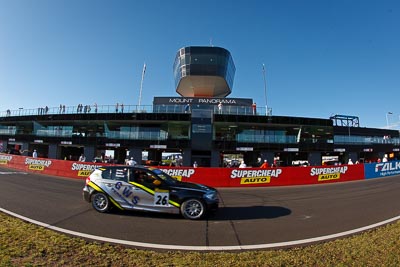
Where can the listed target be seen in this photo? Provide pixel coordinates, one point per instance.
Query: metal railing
(94, 109)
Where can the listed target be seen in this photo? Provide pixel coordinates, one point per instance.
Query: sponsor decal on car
(125, 194)
(155, 193)
(99, 189)
(161, 198)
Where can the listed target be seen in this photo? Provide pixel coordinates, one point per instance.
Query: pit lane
(248, 218)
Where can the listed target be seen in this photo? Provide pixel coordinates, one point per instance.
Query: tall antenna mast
(141, 84)
(265, 90)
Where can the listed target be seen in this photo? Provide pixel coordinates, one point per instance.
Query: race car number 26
(161, 199)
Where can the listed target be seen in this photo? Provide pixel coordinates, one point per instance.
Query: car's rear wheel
(193, 209)
(100, 202)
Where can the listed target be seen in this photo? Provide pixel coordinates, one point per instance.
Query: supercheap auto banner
(64, 168)
(217, 177)
(253, 177)
(382, 169)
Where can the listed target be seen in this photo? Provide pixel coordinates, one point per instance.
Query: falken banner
(382, 169)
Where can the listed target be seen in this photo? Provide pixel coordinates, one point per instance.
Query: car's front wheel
(193, 209)
(100, 202)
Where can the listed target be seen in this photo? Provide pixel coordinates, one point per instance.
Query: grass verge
(25, 244)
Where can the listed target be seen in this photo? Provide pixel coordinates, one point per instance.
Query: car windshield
(165, 177)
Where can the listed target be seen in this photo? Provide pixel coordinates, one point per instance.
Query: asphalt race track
(248, 218)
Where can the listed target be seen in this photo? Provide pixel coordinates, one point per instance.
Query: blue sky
(322, 57)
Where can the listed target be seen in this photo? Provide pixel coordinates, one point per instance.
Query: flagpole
(387, 118)
(265, 90)
(141, 84)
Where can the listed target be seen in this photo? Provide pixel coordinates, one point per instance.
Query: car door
(116, 184)
(153, 195)
(139, 179)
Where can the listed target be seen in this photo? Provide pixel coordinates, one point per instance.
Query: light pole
(265, 90)
(387, 118)
(141, 85)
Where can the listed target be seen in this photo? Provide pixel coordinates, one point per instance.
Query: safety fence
(219, 177)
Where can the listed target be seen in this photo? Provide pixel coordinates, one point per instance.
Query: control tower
(201, 71)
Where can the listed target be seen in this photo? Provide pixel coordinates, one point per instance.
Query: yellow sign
(3, 161)
(36, 167)
(256, 180)
(327, 177)
(84, 173)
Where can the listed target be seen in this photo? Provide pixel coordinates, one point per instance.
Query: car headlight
(211, 195)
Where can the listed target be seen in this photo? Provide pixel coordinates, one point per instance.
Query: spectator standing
(254, 108)
(82, 158)
(275, 164)
(220, 107)
(264, 165)
(242, 164)
(187, 108)
(34, 154)
(131, 162)
(80, 108)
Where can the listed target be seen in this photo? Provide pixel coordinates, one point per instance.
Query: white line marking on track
(202, 248)
(13, 173)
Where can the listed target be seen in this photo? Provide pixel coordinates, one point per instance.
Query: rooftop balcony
(107, 109)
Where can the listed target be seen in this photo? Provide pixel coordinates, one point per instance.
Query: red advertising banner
(256, 177)
(64, 168)
(216, 177)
